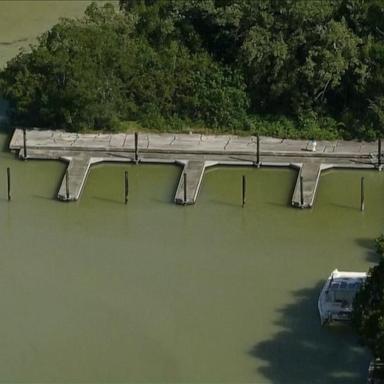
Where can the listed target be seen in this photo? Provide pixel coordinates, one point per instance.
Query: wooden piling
(301, 192)
(136, 148)
(9, 183)
(126, 187)
(25, 142)
(244, 190)
(362, 197)
(185, 188)
(379, 152)
(258, 151)
(67, 184)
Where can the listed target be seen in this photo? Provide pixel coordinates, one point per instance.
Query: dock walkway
(195, 152)
(306, 184)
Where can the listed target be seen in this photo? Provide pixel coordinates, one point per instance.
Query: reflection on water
(102, 292)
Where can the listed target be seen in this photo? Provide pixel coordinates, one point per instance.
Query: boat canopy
(343, 290)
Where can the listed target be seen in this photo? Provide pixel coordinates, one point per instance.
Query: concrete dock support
(136, 148)
(258, 150)
(195, 152)
(301, 191)
(25, 143)
(74, 178)
(67, 184)
(185, 188)
(307, 182)
(193, 171)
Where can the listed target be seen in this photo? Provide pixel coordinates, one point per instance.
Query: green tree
(297, 67)
(95, 72)
(63, 81)
(368, 308)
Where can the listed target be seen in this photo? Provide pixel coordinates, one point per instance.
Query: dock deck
(195, 152)
(306, 184)
(189, 183)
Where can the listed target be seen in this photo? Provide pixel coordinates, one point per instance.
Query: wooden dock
(195, 153)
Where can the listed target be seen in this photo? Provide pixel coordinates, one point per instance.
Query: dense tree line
(368, 308)
(287, 67)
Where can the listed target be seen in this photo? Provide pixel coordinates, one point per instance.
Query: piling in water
(185, 188)
(301, 192)
(67, 184)
(9, 183)
(379, 152)
(258, 151)
(25, 143)
(244, 190)
(136, 148)
(126, 187)
(362, 197)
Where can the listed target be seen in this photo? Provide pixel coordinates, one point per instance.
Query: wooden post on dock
(9, 183)
(126, 187)
(379, 153)
(67, 184)
(301, 192)
(25, 143)
(362, 198)
(185, 188)
(258, 151)
(244, 191)
(136, 148)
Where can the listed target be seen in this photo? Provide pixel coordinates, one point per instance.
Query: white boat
(336, 297)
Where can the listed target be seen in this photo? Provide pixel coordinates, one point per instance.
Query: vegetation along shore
(284, 68)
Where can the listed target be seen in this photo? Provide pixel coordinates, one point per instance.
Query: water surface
(96, 291)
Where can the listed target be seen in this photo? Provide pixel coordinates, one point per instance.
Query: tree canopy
(287, 67)
(368, 307)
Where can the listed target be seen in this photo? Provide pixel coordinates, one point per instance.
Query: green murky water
(21, 21)
(96, 291)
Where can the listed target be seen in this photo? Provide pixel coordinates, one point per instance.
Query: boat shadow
(303, 352)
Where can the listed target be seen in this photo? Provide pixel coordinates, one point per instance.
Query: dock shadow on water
(303, 352)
